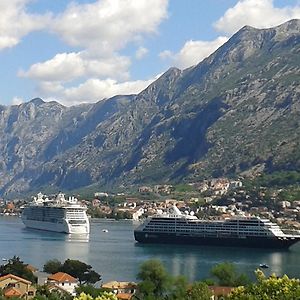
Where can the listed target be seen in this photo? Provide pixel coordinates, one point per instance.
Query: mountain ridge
(236, 109)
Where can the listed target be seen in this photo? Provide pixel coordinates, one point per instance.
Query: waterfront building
(64, 282)
(15, 286)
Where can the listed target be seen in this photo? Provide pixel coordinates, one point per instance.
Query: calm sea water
(116, 256)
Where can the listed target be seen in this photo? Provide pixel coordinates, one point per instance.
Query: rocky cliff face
(237, 110)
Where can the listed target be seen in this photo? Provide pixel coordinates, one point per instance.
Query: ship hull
(249, 242)
(63, 227)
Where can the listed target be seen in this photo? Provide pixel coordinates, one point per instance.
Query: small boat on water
(104, 230)
(264, 266)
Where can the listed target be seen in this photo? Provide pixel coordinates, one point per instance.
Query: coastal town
(214, 198)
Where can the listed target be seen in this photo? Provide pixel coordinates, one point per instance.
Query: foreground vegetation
(155, 283)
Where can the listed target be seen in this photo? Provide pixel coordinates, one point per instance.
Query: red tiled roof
(62, 277)
(12, 292)
(17, 278)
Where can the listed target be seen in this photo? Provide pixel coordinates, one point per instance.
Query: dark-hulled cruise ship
(175, 227)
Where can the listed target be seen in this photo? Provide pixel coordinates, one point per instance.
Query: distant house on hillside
(31, 268)
(64, 282)
(124, 290)
(15, 286)
(145, 189)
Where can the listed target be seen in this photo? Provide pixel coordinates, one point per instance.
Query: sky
(84, 51)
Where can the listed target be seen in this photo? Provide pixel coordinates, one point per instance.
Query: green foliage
(104, 296)
(228, 276)
(76, 268)
(178, 288)
(272, 288)
(120, 215)
(157, 284)
(80, 270)
(52, 266)
(16, 267)
(279, 179)
(183, 188)
(43, 293)
(155, 281)
(199, 291)
(290, 194)
(89, 289)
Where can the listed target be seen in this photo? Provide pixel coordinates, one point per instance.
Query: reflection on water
(184, 266)
(83, 237)
(195, 262)
(116, 256)
(77, 246)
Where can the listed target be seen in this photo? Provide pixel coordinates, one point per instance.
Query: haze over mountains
(237, 111)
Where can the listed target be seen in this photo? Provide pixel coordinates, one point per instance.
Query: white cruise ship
(175, 227)
(59, 215)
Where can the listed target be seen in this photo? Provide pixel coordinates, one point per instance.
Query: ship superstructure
(58, 214)
(250, 231)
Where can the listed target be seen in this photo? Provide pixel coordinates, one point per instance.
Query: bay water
(116, 256)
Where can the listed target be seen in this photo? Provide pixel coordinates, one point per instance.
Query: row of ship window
(217, 226)
(206, 232)
(187, 228)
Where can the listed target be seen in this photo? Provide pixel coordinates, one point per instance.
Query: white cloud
(102, 29)
(17, 101)
(16, 22)
(256, 13)
(95, 89)
(141, 52)
(69, 66)
(193, 52)
(108, 25)
(166, 54)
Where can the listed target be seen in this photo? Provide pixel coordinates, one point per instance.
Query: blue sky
(87, 50)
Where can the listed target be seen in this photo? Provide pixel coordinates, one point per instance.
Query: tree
(228, 276)
(43, 293)
(178, 289)
(76, 268)
(52, 266)
(272, 288)
(89, 289)
(199, 291)
(80, 270)
(16, 267)
(155, 281)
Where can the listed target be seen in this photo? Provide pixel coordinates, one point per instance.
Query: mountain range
(235, 113)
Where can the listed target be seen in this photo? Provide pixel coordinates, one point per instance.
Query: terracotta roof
(62, 277)
(17, 278)
(12, 292)
(124, 296)
(221, 290)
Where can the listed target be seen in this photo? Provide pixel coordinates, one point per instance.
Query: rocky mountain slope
(236, 111)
